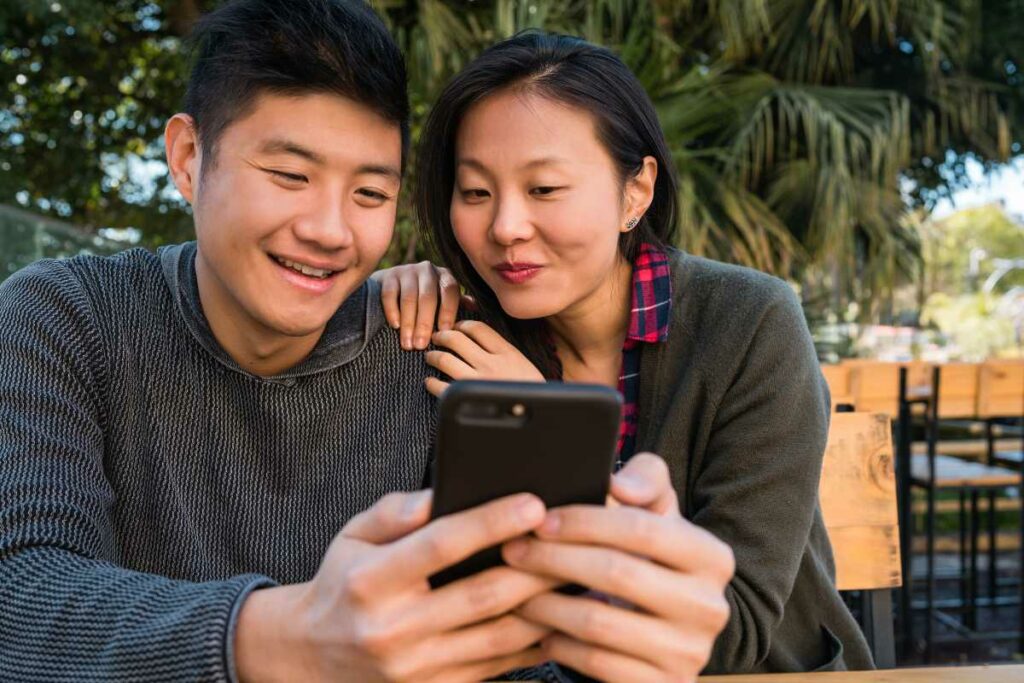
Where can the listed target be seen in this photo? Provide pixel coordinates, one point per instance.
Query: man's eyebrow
(280, 145)
(380, 169)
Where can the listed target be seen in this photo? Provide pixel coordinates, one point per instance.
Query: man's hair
(246, 48)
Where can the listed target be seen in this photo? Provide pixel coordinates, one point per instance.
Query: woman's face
(538, 205)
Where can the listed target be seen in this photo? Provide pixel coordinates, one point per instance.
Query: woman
(548, 190)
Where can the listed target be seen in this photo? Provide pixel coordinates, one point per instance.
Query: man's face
(294, 212)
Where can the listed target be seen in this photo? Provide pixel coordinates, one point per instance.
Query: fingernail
(413, 505)
(632, 483)
(406, 343)
(516, 550)
(421, 343)
(552, 523)
(529, 508)
(394, 324)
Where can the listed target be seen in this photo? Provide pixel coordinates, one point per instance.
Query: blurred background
(869, 151)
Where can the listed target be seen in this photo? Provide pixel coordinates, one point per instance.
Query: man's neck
(251, 344)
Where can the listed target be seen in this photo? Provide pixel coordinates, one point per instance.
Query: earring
(631, 223)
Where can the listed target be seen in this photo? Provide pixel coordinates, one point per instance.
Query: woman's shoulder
(722, 279)
(704, 288)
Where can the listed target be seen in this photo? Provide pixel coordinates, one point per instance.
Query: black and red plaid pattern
(649, 317)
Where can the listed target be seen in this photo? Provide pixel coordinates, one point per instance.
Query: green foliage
(791, 121)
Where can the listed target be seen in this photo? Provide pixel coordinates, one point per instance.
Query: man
(183, 434)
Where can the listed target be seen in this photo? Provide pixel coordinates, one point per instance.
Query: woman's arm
(757, 487)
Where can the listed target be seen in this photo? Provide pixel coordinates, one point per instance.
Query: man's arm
(70, 613)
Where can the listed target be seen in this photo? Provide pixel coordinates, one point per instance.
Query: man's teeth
(304, 269)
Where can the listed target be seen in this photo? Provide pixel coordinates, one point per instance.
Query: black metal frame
(970, 598)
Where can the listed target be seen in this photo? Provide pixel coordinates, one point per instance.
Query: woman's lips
(518, 273)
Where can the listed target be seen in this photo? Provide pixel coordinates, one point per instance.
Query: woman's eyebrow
(543, 161)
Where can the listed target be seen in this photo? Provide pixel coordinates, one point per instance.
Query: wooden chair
(858, 502)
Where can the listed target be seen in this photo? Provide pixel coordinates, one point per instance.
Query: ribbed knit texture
(147, 483)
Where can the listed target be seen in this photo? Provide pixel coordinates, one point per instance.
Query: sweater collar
(356, 322)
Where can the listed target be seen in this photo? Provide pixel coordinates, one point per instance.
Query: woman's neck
(589, 335)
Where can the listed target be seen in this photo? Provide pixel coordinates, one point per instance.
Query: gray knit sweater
(147, 483)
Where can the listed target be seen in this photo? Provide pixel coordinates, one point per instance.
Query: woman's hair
(567, 70)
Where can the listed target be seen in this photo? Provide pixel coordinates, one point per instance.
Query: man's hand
(370, 615)
(409, 295)
(666, 576)
(476, 351)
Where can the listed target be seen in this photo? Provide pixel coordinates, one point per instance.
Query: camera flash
(519, 410)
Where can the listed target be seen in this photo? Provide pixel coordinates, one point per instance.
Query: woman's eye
(291, 178)
(544, 190)
(372, 194)
(475, 194)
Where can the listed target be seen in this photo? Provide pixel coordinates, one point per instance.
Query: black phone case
(561, 448)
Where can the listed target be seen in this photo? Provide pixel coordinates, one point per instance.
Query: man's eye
(289, 177)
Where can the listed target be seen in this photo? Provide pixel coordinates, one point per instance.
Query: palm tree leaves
(791, 121)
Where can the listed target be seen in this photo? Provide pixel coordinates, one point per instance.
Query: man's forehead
(322, 129)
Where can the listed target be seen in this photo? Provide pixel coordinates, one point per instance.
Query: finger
(645, 482)
(599, 663)
(408, 303)
(448, 540)
(486, 670)
(461, 344)
(657, 589)
(436, 386)
(673, 542)
(428, 283)
(476, 598)
(488, 640)
(449, 364)
(450, 296)
(391, 518)
(651, 640)
(484, 335)
(389, 288)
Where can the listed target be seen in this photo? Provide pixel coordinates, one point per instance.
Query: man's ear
(184, 159)
(639, 193)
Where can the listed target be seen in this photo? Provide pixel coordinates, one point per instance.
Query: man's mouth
(305, 269)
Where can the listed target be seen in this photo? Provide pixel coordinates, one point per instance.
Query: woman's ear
(181, 145)
(639, 193)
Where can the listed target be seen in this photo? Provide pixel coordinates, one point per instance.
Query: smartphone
(494, 439)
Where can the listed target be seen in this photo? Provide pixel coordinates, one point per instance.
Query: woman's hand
(409, 295)
(475, 351)
(666, 576)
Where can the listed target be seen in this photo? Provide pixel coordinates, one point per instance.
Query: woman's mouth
(518, 273)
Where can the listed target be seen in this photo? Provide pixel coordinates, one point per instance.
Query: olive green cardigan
(735, 402)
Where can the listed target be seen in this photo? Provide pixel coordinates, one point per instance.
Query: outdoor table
(995, 673)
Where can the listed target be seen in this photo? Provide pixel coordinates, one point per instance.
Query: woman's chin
(522, 308)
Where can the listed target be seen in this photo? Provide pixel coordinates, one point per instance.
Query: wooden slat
(968, 448)
(1001, 389)
(858, 501)
(958, 390)
(838, 379)
(953, 472)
